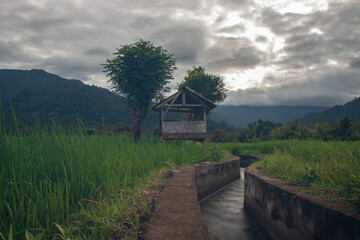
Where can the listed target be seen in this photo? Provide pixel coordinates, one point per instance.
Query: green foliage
(211, 126)
(215, 153)
(218, 135)
(323, 130)
(297, 170)
(209, 86)
(140, 71)
(257, 130)
(342, 127)
(355, 130)
(329, 167)
(123, 129)
(89, 131)
(52, 177)
(261, 130)
(293, 130)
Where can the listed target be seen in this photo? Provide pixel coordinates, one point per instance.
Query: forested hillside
(242, 116)
(331, 115)
(40, 96)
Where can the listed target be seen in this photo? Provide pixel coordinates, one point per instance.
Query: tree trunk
(139, 115)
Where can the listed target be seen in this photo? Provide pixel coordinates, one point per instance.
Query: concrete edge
(247, 160)
(210, 177)
(287, 212)
(179, 216)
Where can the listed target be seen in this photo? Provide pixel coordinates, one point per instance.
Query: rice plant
(48, 177)
(329, 167)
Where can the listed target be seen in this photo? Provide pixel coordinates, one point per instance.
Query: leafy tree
(211, 126)
(355, 131)
(281, 132)
(210, 86)
(342, 127)
(139, 71)
(324, 130)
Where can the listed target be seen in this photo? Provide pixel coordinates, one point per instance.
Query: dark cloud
(231, 53)
(186, 41)
(355, 62)
(98, 51)
(312, 42)
(67, 67)
(160, 6)
(244, 57)
(327, 88)
(320, 53)
(306, 50)
(185, 52)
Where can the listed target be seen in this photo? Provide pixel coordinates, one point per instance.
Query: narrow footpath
(178, 216)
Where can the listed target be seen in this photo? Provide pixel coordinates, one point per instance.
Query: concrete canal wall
(279, 211)
(210, 177)
(178, 216)
(247, 160)
(287, 212)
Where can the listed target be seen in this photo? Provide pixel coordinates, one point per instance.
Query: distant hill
(241, 116)
(13, 82)
(37, 94)
(331, 115)
(40, 96)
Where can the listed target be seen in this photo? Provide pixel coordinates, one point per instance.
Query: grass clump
(297, 172)
(115, 216)
(329, 167)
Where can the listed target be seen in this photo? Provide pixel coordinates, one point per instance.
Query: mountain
(14, 81)
(241, 116)
(331, 115)
(37, 95)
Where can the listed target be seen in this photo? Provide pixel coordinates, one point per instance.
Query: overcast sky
(283, 52)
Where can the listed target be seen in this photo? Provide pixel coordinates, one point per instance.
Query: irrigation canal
(224, 214)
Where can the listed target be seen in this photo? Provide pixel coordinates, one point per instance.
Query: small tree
(342, 128)
(210, 86)
(140, 71)
(323, 130)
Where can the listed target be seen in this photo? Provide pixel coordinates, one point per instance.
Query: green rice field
(331, 167)
(54, 184)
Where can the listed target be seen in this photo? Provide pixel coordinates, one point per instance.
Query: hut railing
(184, 127)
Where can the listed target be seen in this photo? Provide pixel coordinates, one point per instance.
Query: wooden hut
(183, 116)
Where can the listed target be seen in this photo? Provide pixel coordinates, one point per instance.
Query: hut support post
(161, 120)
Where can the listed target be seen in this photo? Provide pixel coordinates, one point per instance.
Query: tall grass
(329, 167)
(46, 175)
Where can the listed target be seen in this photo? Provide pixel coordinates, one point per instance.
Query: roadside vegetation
(328, 167)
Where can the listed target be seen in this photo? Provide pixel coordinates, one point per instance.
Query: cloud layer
(268, 53)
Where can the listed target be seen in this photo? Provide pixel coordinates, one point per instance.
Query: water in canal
(224, 214)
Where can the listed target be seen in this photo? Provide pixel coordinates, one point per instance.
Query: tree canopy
(139, 71)
(210, 86)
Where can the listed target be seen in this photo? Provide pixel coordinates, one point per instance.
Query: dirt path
(178, 216)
